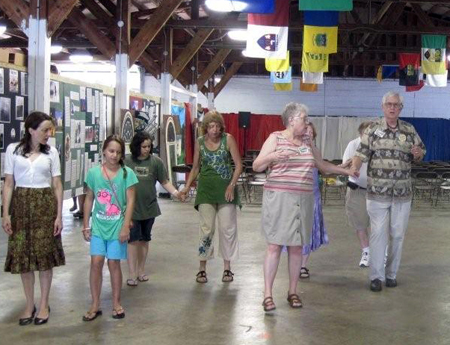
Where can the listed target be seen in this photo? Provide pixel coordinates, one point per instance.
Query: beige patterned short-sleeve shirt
(389, 156)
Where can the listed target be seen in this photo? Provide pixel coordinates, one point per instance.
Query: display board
(13, 107)
(84, 128)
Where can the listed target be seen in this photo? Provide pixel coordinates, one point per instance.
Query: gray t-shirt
(148, 171)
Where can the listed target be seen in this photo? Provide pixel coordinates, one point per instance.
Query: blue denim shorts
(111, 249)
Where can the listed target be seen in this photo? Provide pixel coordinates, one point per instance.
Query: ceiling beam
(18, 11)
(109, 5)
(58, 12)
(423, 17)
(192, 47)
(123, 37)
(151, 28)
(212, 67)
(95, 36)
(99, 13)
(149, 64)
(226, 78)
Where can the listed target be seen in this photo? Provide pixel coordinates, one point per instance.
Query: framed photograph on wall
(2, 81)
(5, 109)
(2, 137)
(20, 108)
(13, 81)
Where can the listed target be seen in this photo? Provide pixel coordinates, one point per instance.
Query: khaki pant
(389, 221)
(227, 225)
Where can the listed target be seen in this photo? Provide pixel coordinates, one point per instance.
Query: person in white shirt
(33, 193)
(355, 200)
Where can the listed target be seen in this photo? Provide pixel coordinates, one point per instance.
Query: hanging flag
(421, 84)
(312, 77)
(267, 34)
(325, 5)
(283, 87)
(437, 80)
(314, 62)
(321, 18)
(274, 65)
(409, 69)
(281, 77)
(320, 39)
(254, 6)
(434, 54)
(308, 87)
(386, 71)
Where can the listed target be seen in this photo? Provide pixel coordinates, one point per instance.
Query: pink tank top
(295, 175)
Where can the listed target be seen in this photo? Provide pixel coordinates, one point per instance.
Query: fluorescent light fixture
(55, 49)
(2, 29)
(238, 35)
(225, 5)
(81, 57)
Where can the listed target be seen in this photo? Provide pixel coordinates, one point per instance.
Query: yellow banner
(314, 62)
(320, 39)
(282, 87)
(278, 65)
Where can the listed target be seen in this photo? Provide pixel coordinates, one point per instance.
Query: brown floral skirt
(32, 246)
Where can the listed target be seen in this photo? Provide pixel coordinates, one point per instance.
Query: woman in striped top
(288, 201)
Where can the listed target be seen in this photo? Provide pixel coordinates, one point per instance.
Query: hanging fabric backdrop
(334, 133)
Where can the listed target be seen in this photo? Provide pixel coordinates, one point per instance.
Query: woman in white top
(33, 193)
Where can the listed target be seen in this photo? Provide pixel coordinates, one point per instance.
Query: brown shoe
(294, 301)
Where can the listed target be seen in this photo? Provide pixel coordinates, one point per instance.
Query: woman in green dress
(217, 195)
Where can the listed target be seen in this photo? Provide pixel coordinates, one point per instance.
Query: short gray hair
(391, 94)
(293, 109)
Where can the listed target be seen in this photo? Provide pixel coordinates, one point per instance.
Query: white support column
(122, 91)
(166, 93)
(38, 66)
(210, 96)
(193, 100)
(142, 80)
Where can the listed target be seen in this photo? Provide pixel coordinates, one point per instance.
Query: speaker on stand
(244, 122)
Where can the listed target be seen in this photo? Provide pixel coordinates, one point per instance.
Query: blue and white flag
(281, 77)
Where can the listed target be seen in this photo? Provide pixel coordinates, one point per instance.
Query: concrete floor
(172, 309)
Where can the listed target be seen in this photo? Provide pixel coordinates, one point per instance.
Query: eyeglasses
(305, 119)
(393, 105)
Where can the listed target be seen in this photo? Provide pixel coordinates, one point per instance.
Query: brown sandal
(294, 301)
(201, 277)
(268, 304)
(227, 276)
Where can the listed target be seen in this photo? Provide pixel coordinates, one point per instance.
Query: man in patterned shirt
(389, 145)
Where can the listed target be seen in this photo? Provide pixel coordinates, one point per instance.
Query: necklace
(395, 127)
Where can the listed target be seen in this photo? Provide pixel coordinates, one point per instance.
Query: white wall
(337, 96)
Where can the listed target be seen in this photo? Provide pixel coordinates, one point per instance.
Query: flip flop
(118, 313)
(143, 278)
(91, 316)
(132, 282)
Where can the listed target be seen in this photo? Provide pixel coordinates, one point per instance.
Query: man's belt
(354, 186)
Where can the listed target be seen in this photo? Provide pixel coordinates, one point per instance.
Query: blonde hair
(212, 116)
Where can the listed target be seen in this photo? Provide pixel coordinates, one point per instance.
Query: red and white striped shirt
(294, 175)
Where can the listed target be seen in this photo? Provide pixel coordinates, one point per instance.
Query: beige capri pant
(226, 215)
(356, 209)
(287, 218)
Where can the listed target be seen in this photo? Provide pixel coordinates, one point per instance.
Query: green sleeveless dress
(215, 174)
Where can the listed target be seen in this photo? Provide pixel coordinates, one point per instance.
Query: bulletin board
(84, 124)
(13, 107)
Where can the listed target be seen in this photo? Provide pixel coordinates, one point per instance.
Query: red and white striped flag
(267, 34)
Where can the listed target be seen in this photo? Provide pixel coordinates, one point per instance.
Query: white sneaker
(364, 259)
